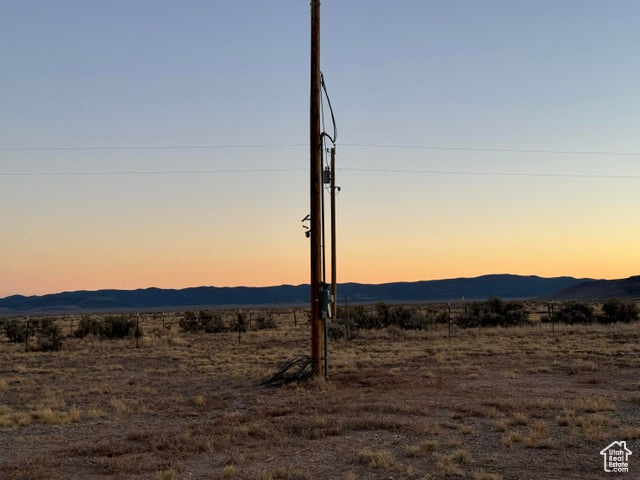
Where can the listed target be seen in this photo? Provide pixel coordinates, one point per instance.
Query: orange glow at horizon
(361, 265)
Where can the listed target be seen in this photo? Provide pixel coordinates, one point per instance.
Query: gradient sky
(537, 106)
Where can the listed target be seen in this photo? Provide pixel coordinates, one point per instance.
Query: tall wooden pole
(334, 291)
(315, 147)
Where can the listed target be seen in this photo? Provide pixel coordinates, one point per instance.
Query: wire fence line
(437, 316)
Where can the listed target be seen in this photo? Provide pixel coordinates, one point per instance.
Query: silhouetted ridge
(504, 286)
(594, 289)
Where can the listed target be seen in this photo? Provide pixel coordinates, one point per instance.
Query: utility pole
(334, 291)
(315, 147)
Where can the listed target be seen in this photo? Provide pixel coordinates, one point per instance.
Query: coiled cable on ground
(296, 369)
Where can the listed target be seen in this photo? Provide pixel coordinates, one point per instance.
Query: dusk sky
(164, 143)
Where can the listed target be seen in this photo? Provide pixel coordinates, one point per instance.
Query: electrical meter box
(326, 175)
(325, 301)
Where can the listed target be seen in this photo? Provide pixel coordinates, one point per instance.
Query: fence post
(348, 321)
(240, 324)
(26, 335)
(137, 329)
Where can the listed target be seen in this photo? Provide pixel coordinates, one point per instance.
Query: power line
(495, 174)
(489, 149)
(304, 145)
(154, 147)
(280, 170)
(150, 172)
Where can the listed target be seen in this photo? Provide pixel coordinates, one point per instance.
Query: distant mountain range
(503, 286)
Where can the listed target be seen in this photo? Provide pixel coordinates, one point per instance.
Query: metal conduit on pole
(334, 291)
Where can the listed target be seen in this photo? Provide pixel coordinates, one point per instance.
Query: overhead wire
(150, 172)
(333, 138)
(324, 136)
(491, 149)
(306, 145)
(491, 173)
(343, 170)
(153, 147)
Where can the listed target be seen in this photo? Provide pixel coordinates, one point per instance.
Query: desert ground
(523, 402)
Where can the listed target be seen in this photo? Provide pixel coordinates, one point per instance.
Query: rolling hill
(595, 289)
(504, 286)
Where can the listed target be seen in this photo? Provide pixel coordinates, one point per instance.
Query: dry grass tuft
(595, 428)
(539, 369)
(229, 471)
(536, 436)
(511, 438)
(593, 404)
(44, 415)
(168, 474)
(284, 473)
(447, 465)
(120, 407)
(377, 459)
(567, 418)
(629, 433)
(422, 448)
(454, 442)
(580, 365)
(466, 429)
(462, 456)
(520, 418)
(501, 425)
(480, 475)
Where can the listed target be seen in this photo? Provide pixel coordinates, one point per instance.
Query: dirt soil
(486, 404)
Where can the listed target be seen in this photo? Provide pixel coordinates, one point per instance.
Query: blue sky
(490, 81)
